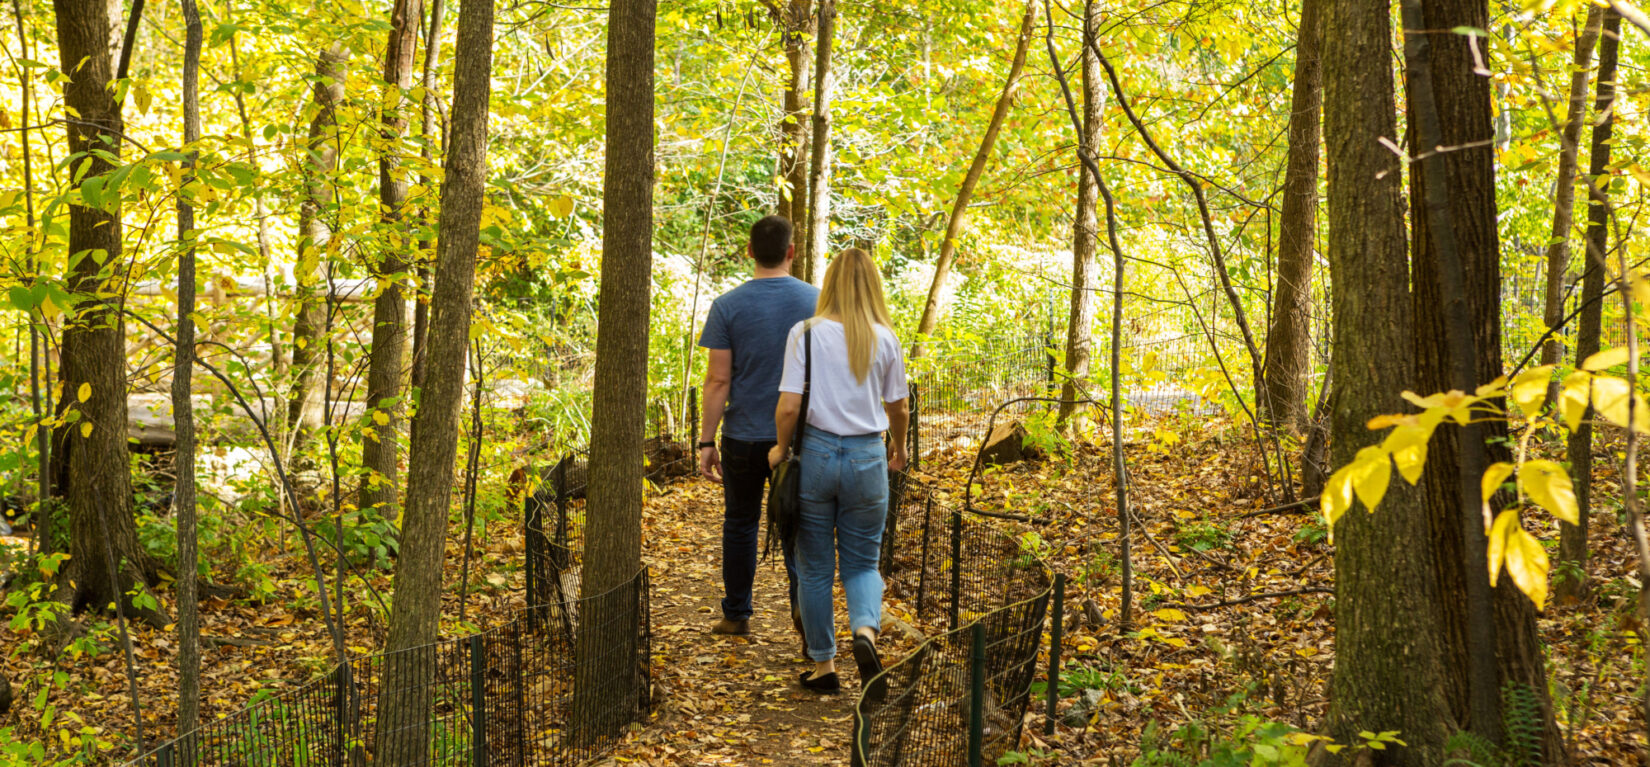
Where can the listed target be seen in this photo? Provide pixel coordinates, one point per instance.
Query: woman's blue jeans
(844, 501)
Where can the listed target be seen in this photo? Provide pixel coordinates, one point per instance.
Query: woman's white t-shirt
(839, 403)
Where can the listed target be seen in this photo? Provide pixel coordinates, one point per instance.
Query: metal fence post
(956, 566)
(341, 700)
(166, 756)
(915, 437)
(976, 697)
(478, 703)
(922, 569)
(860, 751)
(693, 415)
(1054, 650)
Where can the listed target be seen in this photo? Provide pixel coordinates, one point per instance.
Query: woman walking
(857, 392)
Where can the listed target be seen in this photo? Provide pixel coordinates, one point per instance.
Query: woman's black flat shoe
(826, 683)
(865, 656)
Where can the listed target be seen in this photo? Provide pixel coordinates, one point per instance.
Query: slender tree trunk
(613, 546)
(1388, 671)
(91, 446)
(39, 331)
(405, 698)
(1564, 195)
(797, 22)
(183, 411)
(959, 209)
(380, 437)
(1086, 229)
(1572, 539)
(427, 129)
(1506, 619)
(1289, 339)
(260, 211)
(315, 232)
(819, 168)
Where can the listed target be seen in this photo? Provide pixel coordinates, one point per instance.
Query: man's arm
(714, 402)
(899, 420)
(784, 425)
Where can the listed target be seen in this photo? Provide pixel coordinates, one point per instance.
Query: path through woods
(730, 700)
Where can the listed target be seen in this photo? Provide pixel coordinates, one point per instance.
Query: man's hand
(710, 464)
(776, 454)
(896, 458)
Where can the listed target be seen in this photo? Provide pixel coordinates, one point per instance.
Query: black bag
(785, 487)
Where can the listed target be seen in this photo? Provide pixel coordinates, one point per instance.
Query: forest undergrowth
(1230, 646)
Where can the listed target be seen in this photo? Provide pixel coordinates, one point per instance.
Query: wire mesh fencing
(529, 692)
(960, 697)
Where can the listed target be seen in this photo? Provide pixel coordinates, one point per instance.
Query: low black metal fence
(535, 690)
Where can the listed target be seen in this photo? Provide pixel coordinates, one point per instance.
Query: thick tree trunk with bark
(1464, 108)
(959, 209)
(380, 436)
(613, 545)
(315, 232)
(1570, 581)
(91, 447)
(796, 19)
(1564, 194)
(415, 615)
(1086, 230)
(1388, 670)
(1289, 339)
(183, 411)
(818, 240)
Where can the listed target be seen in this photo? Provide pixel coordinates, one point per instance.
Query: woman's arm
(899, 419)
(784, 425)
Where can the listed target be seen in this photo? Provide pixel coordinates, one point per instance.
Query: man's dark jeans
(744, 488)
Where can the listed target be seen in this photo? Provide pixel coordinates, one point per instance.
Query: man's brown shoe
(731, 628)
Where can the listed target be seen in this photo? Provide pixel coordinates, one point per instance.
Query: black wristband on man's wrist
(705, 444)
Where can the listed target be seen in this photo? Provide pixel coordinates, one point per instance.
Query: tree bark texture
(1564, 194)
(1388, 671)
(183, 411)
(797, 22)
(1289, 339)
(613, 545)
(1571, 567)
(406, 695)
(380, 437)
(959, 209)
(91, 449)
(819, 167)
(315, 231)
(427, 130)
(1464, 108)
(1086, 229)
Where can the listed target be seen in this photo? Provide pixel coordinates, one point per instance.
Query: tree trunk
(91, 446)
(183, 411)
(1564, 195)
(959, 210)
(613, 545)
(426, 129)
(406, 694)
(1289, 339)
(380, 436)
(797, 22)
(1572, 539)
(314, 232)
(1464, 111)
(819, 168)
(1388, 671)
(1086, 230)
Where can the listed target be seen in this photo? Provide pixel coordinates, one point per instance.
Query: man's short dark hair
(770, 238)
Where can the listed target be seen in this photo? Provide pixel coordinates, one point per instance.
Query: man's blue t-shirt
(752, 320)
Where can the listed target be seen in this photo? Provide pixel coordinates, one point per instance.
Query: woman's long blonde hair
(853, 294)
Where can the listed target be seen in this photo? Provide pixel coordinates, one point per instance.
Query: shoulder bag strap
(807, 384)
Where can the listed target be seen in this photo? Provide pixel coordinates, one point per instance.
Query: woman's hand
(896, 457)
(776, 455)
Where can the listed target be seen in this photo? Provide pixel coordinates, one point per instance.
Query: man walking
(745, 335)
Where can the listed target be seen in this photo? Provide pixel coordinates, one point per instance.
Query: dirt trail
(727, 700)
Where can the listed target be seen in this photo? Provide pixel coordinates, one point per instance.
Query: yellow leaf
(1611, 399)
(1197, 591)
(1573, 397)
(1456, 403)
(1371, 471)
(1608, 358)
(380, 417)
(1337, 495)
(84, 392)
(1498, 541)
(1527, 564)
(85, 428)
(562, 207)
(1529, 389)
(1496, 474)
(1408, 445)
(1170, 615)
(1549, 486)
